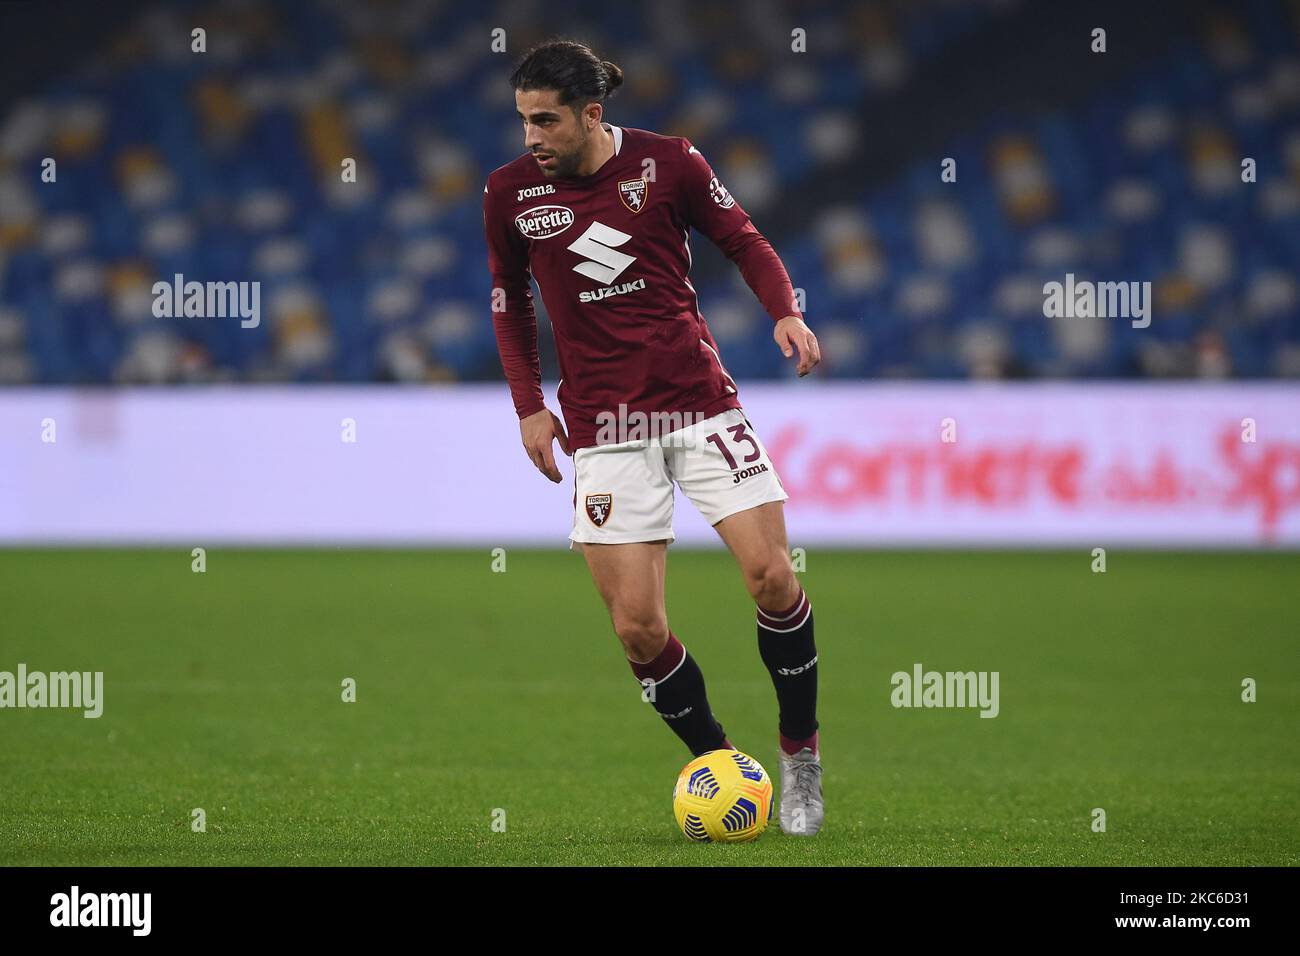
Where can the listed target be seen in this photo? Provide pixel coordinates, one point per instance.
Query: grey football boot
(801, 793)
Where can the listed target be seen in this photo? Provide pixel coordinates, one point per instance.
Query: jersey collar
(618, 136)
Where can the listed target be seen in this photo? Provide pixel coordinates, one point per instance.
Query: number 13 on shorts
(726, 469)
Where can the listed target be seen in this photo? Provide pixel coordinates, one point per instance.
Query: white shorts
(624, 492)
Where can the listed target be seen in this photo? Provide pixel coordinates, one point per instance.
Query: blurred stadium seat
(226, 166)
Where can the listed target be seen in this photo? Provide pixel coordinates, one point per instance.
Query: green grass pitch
(479, 690)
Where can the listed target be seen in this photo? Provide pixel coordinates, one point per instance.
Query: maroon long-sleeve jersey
(611, 252)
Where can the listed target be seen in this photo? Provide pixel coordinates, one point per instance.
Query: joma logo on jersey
(530, 191)
(748, 473)
(599, 508)
(542, 222)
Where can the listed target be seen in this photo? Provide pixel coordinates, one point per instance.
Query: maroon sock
(785, 642)
(791, 747)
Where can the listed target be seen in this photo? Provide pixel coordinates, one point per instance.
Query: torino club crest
(599, 507)
(632, 192)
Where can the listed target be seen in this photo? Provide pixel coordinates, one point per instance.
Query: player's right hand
(537, 432)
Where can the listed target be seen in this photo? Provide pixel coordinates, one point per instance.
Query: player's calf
(786, 644)
(785, 641)
(756, 536)
(674, 685)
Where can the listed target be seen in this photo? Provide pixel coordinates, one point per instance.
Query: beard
(566, 163)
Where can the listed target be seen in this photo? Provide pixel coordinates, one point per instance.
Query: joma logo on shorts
(748, 473)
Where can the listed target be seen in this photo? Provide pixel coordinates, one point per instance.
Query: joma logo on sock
(948, 689)
(675, 716)
(791, 671)
(102, 909)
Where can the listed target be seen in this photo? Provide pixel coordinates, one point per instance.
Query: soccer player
(601, 215)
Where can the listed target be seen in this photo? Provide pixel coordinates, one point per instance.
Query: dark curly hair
(571, 69)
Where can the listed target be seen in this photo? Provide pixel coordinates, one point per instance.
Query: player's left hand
(791, 334)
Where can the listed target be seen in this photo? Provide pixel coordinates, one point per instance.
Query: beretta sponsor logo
(542, 222)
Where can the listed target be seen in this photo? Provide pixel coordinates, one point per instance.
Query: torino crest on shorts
(599, 507)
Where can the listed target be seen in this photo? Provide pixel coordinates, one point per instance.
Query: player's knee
(643, 634)
(772, 582)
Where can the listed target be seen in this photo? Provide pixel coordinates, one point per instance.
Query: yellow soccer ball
(723, 796)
